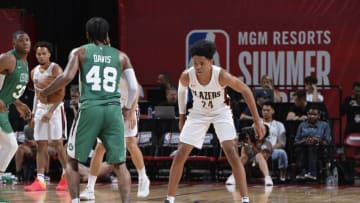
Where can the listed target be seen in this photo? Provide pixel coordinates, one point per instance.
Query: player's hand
(182, 119)
(126, 113)
(132, 119)
(23, 110)
(260, 129)
(46, 117)
(2, 106)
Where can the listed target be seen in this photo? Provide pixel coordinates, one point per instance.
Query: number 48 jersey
(99, 76)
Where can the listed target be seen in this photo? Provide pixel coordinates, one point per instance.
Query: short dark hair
(97, 29)
(17, 33)
(204, 48)
(46, 44)
(269, 103)
(314, 107)
(311, 80)
(301, 94)
(356, 84)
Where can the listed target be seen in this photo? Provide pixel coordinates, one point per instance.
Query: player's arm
(129, 76)
(36, 100)
(7, 63)
(226, 79)
(68, 75)
(182, 97)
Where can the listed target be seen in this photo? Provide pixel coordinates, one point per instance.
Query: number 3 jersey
(12, 86)
(99, 76)
(209, 97)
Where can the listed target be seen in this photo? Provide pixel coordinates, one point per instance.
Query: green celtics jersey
(12, 86)
(99, 76)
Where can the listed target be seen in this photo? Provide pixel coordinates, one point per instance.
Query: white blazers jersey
(38, 76)
(210, 97)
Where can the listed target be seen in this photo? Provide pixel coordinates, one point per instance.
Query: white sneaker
(87, 194)
(143, 187)
(230, 180)
(268, 181)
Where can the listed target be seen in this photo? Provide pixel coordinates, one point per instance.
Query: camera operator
(311, 135)
(254, 150)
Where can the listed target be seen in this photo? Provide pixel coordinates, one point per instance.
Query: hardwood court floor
(196, 193)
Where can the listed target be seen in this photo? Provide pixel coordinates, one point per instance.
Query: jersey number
(208, 104)
(20, 91)
(109, 79)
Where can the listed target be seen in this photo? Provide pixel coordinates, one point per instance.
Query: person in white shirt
(312, 93)
(277, 137)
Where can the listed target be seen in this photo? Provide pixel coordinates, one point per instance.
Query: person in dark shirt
(351, 107)
(171, 99)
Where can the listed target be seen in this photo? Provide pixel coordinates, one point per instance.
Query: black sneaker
(166, 201)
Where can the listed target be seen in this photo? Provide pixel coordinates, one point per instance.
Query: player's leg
(80, 142)
(225, 130)
(56, 135)
(113, 139)
(8, 143)
(192, 135)
(95, 168)
(137, 159)
(41, 136)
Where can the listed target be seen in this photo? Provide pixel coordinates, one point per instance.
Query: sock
(91, 182)
(171, 199)
(76, 200)
(142, 172)
(245, 199)
(41, 177)
(63, 171)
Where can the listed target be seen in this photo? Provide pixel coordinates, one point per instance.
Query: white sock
(171, 199)
(8, 147)
(41, 177)
(245, 199)
(76, 200)
(64, 171)
(142, 172)
(91, 182)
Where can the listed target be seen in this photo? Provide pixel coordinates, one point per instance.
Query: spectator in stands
(255, 152)
(267, 83)
(277, 137)
(299, 109)
(171, 99)
(312, 94)
(261, 97)
(311, 134)
(351, 107)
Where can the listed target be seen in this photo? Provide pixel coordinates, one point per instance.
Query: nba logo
(221, 40)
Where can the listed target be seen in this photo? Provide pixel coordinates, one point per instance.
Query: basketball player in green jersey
(14, 76)
(99, 114)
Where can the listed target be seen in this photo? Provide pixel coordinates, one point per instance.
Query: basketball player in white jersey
(207, 82)
(131, 131)
(47, 118)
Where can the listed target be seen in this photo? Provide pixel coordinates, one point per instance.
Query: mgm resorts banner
(287, 40)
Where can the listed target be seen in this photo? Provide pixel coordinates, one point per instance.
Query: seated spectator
(312, 94)
(254, 151)
(277, 137)
(351, 107)
(261, 97)
(157, 95)
(71, 106)
(267, 83)
(298, 111)
(171, 99)
(311, 134)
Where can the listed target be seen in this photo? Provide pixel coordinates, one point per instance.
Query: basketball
(53, 98)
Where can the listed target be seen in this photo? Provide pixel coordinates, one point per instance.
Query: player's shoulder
(7, 56)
